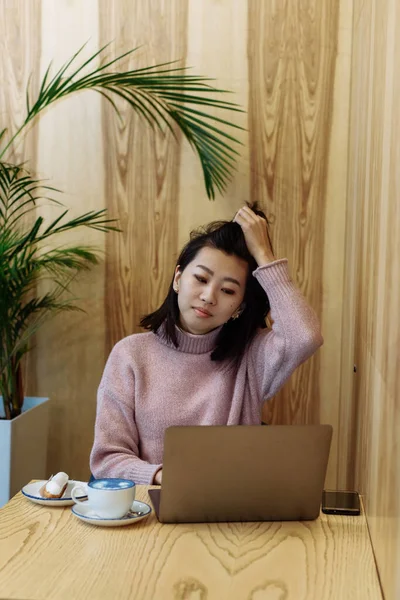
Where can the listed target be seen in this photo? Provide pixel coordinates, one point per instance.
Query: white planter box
(23, 446)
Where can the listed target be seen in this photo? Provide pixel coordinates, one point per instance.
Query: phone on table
(336, 502)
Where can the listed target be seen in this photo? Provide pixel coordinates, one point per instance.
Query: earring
(234, 317)
(176, 288)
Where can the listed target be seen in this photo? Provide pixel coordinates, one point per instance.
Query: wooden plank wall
(371, 330)
(299, 60)
(288, 64)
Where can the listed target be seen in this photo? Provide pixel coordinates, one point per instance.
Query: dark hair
(236, 333)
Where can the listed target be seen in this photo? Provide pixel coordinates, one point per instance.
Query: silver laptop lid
(244, 473)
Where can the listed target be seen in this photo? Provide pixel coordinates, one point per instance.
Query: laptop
(242, 473)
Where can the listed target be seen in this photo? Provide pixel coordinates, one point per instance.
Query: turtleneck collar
(189, 343)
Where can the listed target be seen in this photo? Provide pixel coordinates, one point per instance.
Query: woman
(208, 358)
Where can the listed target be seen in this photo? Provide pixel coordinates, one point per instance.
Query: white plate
(31, 491)
(139, 511)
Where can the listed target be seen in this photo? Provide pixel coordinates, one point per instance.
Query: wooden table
(47, 553)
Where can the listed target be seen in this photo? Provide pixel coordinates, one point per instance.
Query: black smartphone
(340, 503)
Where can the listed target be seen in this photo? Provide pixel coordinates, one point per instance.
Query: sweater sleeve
(115, 451)
(295, 335)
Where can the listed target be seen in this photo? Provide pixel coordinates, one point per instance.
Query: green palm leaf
(25, 262)
(162, 95)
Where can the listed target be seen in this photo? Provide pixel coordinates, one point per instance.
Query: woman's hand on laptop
(158, 477)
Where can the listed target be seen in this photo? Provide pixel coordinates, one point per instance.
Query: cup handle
(78, 489)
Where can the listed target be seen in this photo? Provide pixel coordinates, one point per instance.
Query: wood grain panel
(374, 280)
(142, 170)
(216, 47)
(70, 355)
(19, 57)
(334, 267)
(292, 52)
(59, 557)
(358, 190)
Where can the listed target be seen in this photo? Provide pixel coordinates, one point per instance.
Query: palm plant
(167, 98)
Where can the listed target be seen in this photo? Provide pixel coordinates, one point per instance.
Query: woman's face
(210, 290)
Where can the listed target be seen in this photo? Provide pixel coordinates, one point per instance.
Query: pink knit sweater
(149, 385)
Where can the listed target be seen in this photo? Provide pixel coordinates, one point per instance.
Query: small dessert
(55, 486)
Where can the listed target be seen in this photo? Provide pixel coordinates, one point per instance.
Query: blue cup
(108, 498)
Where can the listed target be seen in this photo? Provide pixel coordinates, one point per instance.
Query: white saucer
(31, 491)
(139, 511)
